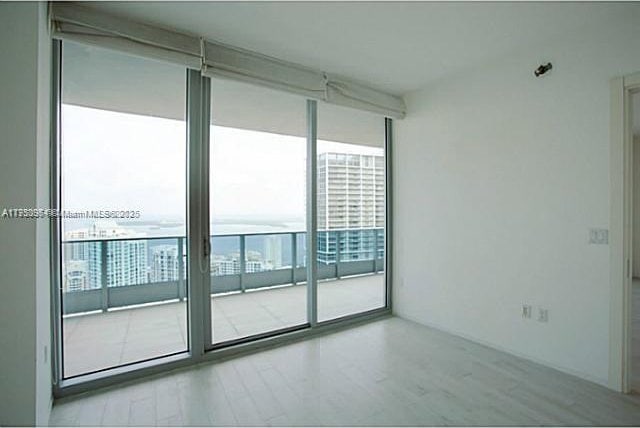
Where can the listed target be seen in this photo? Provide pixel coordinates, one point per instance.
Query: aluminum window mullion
(197, 212)
(204, 211)
(312, 213)
(388, 219)
(55, 232)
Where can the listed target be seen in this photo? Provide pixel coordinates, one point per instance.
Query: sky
(113, 160)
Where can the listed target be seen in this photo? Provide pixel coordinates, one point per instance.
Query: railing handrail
(223, 235)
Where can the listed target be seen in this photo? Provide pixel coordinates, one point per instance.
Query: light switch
(598, 236)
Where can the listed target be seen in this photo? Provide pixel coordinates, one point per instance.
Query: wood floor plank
(387, 372)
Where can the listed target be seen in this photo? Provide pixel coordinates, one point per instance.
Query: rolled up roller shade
(239, 64)
(347, 93)
(81, 24)
(84, 25)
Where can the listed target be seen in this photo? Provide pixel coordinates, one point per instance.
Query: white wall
(498, 177)
(25, 374)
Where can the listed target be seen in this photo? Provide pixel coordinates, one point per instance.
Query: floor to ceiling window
(123, 169)
(142, 277)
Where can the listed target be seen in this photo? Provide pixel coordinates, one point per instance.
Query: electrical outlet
(543, 315)
(526, 311)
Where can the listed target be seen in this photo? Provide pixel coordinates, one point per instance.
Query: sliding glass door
(260, 252)
(351, 212)
(257, 210)
(123, 191)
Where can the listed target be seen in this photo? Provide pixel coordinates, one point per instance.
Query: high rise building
(126, 260)
(273, 251)
(76, 275)
(224, 265)
(165, 263)
(252, 266)
(229, 264)
(255, 262)
(351, 206)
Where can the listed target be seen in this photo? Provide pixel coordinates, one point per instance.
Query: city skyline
(257, 184)
(350, 196)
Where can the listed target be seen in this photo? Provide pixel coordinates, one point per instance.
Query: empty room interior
(320, 213)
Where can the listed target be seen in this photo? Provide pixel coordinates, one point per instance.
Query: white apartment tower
(273, 251)
(76, 275)
(126, 260)
(165, 263)
(351, 207)
(350, 191)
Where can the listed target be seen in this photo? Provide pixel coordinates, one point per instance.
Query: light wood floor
(387, 372)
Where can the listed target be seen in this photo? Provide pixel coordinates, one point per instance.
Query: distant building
(165, 263)
(351, 204)
(224, 265)
(252, 266)
(273, 251)
(229, 264)
(126, 260)
(76, 275)
(255, 262)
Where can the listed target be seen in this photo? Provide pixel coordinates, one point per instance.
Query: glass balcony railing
(98, 275)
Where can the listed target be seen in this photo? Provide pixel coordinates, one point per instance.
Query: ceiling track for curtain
(84, 25)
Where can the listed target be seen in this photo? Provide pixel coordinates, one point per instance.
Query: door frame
(621, 231)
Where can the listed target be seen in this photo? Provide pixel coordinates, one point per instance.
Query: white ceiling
(394, 46)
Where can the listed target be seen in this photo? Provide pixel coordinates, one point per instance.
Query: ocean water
(158, 229)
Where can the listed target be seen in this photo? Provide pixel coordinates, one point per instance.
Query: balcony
(106, 323)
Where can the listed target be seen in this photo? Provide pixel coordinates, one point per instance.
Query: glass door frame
(200, 346)
(75, 383)
(311, 283)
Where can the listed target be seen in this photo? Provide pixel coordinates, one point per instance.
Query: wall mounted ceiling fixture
(542, 69)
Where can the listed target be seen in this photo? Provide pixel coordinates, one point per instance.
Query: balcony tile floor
(102, 340)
